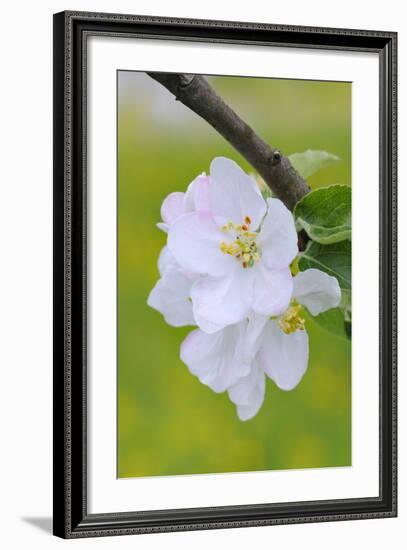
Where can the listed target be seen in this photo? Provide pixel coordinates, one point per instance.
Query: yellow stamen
(244, 248)
(291, 321)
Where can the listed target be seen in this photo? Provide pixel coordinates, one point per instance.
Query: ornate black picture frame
(71, 517)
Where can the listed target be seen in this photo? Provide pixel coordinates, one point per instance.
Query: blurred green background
(168, 422)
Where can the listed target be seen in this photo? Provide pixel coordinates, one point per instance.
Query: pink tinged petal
(272, 290)
(316, 290)
(194, 240)
(248, 393)
(172, 207)
(166, 261)
(234, 195)
(171, 297)
(221, 301)
(214, 358)
(197, 195)
(283, 357)
(278, 238)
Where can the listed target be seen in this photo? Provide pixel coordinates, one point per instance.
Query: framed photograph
(224, 274)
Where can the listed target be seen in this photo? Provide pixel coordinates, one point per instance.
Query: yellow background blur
(168, 422)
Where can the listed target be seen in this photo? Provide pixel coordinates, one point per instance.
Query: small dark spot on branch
(276, 157)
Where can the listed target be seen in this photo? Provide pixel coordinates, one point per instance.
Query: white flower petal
(247, 412)
(248, 393)
(316, 290)
(197, 195)
(253, 334)
(215, 358)
(234, 195)
(166, 261)
(172, 207)
(283, 357)
(241, 393)
(272, 290)
(278, 238)
(194, 240)
(221, 301)
(171, 297)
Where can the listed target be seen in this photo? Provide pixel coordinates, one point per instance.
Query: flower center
(291, 321)
(244, 248)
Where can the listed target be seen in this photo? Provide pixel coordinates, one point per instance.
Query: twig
(196, 93)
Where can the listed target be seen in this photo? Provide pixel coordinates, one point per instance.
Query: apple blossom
(282, 342)
(238, 357)
(241, 245)
(226, 268)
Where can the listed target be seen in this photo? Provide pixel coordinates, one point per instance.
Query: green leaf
(337, 320)
(325, 214)
(333, 321)
(309, 162)
(334, 259)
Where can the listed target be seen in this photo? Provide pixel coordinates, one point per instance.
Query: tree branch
(196, 93)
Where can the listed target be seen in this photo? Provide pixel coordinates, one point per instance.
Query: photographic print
(225, 303)
(233, 274)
